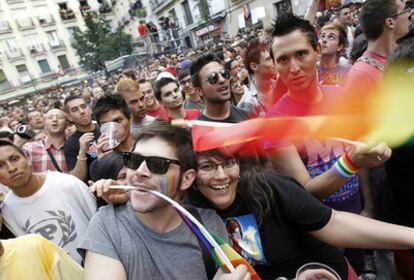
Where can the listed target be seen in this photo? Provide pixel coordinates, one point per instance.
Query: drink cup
(113, 131)
(316, 271)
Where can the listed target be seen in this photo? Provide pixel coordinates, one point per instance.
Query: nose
(220, 172)
(142, 170)
(10, 167)
(294, 66)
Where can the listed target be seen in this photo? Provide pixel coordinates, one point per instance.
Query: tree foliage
(98, 44)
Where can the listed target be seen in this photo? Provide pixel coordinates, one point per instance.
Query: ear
(188, 179)
(68, 117)
(199, 91)
(253, 66)
(390, 23)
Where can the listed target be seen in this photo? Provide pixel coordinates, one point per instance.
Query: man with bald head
(47, 153)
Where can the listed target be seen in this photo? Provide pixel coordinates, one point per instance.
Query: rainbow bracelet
(344, 167)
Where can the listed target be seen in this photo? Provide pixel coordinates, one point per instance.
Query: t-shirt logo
(245, 238)
(92, 149)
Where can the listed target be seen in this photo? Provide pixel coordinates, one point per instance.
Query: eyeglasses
(211, 167)
(236, 84)
(213, 77)
(186, 81)
(157, 165)
(405, 11)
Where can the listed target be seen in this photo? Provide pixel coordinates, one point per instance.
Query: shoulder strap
(53, 160)
(209, 263)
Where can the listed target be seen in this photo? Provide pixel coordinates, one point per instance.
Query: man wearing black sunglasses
(211, 81)
(146, 238)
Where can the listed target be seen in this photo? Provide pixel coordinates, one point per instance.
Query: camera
(24, 132)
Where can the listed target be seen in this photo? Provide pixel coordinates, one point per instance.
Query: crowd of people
(280, 206)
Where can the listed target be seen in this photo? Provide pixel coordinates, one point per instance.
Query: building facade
(36, 42)
(192, 26)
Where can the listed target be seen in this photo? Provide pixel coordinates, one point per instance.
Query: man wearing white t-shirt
(55, 205)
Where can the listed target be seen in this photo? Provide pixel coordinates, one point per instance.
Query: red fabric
(404, 261)
(142, 29)
(190, 114)
(351, 272)
(171, 70)
(160, 113)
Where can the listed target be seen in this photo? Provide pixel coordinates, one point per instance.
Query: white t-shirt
(59, 211)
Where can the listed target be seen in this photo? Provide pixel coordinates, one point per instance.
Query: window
(54, 40)
(4, 83)
(23, 73)
(187, 13)
(44, 66)
(23, 18)
(64, 63)
(43, 15)
(34, 43)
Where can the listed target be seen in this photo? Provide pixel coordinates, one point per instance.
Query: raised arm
(311, 10)
(287, 161)
(349, 230)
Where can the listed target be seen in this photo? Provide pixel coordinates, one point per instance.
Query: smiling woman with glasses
(279, 225)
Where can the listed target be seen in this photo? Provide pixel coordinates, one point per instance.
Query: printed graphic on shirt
(245, 238)
(57, 227)
(92, 149)
(318, 156)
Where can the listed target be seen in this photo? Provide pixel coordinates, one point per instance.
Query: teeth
(220, 187)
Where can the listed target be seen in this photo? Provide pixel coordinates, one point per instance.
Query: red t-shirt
(160, 113)
(142, 29)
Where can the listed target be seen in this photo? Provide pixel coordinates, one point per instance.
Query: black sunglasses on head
(157, 165)
(213, 77)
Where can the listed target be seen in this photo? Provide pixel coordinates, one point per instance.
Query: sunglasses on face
(157, 165)
(214, 77)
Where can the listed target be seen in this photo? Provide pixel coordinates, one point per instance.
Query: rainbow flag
(224, 255)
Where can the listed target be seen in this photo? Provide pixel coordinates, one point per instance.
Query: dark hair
(183, 73)
(373, 15)
(359, 46)
(252, 53)
(402, 59)
(110, 102)
(108, 167)
(343, 6)
(162, 83)
(198, 64)
(288, 23)
(228, 63)
(7, 134)
(178, 138)
(4, 143)
(252, 188)
(130, 73)
(69, 99)
(57, 104)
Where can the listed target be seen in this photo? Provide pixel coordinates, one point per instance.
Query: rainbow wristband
(344, 167)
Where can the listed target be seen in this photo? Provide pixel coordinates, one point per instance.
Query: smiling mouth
(220, 187)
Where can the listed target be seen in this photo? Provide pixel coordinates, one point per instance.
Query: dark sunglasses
(157, 165)
(213, 77)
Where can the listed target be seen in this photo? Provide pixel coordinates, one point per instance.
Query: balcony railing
(67, 15)
(5, 27)
(57, 45)
(45, 21)
(5, 86)
(26, 23)
(14, 55)
(37, 50)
